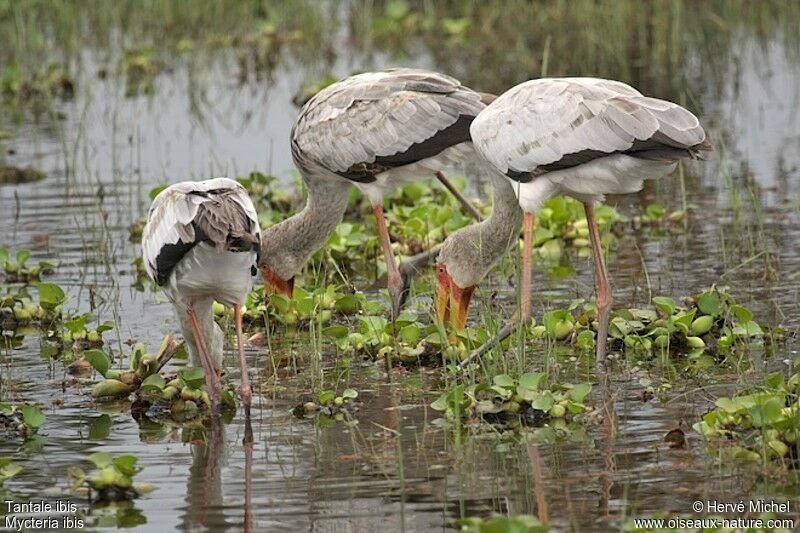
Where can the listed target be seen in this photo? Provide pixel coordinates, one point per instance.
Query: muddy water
(399, 466)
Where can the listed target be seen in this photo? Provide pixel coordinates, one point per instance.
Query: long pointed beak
(443, 303)
(273, 284)
(462, 299)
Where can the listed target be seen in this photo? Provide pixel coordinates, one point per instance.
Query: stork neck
(287, 246)
(501, 229)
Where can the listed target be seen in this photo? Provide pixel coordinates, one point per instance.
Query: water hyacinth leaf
(350, 394)
(32, 416)
(779, 447)
(22, 256)
(543, 401)
(576, 408)
(126, 464)
(101, 459)
(100, 428)
(153, 382)
(753, 329)
(76, 324)
(767, 413)
(729, 405)
(441, 403)
(50, 295)
(326, 397)
(743, 314)
(8, 469)
(559, 323)
(3, 254)
(105, 326)
(701, 325)
(585, 339)
(280, 302)
(579, 392)
(709, 303)
(410, 334)
(99, 360)
(775, 380)
(503, 392)
(192, 376)
(532, 380)
(348, 304)
(667, 305)
(503, 380)
(373, 325)
(336, 332)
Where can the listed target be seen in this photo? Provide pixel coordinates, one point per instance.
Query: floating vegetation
(520, 523)
(17, 175)
(18, 271)
(142, 371)
(22, 420)
(181, 397)
(329, 407)
(140, 67)
(708, 325)
(114, 479)
(17, 308)
(528, 400)
(760, 426)
(50, 82)
(8, 469)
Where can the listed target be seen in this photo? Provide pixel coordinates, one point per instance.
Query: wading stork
(201, 244)
(582, 137)
(377, 131)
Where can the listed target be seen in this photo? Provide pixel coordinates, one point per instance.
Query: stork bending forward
(201, 244)
(582, 137)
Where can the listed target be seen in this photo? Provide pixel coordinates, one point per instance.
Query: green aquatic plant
(143, 369)
(528, 398)
(763, 425)
(8, 469)
(41, 85)
(113, 479)
(502, 524)
(706, 325)
(17, 307)
(23, 420)
(329, 407)
(16, 269)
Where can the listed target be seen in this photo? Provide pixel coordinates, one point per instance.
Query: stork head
(273, 283)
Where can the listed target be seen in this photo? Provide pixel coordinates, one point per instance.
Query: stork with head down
(582, 137)
(201, 244)
(377, 131)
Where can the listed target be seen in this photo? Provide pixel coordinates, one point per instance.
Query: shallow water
(400, 466)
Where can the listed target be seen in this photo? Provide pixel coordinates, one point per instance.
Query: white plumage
(377, 131)
(570, 136)
(583, 137)
(201, 244)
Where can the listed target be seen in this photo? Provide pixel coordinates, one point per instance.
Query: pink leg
(395, 281)
(210, 372)
(527, 259)
(246, 391)
(604, 298)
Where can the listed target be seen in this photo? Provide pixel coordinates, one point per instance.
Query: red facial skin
(448, 294)
(274, 284)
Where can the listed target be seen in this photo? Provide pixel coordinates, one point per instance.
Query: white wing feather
(539, 122)
(173, 210)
